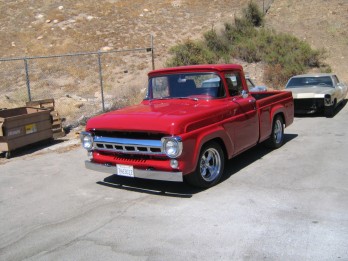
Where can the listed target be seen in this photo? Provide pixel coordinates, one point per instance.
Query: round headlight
(172, 147)
(87, 140)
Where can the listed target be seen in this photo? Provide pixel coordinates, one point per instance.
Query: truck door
(244, 125)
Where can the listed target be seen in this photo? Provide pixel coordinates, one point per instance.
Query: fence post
(27, 77)
(152, 54)
(263, 7)
(101, 80)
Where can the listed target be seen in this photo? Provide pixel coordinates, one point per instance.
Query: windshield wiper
(189, 98)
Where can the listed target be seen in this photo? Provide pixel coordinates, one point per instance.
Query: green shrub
(253, 14)
(284, 55)
(190, 53)
(215, 43)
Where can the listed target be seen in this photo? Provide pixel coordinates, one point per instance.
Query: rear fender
(280, 109)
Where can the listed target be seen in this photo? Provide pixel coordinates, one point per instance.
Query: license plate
(125, 170)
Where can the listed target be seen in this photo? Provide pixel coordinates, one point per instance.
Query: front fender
(195, 141)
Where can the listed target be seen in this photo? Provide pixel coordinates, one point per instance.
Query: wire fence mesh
(82, 84)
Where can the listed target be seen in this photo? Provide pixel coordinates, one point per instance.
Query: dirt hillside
(48, 27)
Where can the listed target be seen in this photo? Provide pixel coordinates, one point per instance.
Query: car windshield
(321, 81)
(189, 85)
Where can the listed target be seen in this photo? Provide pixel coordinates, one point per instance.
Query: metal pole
(263, 6)
(101, 80)
(152, 54)
(27, 77)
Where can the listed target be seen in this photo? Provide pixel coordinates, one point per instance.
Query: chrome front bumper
(138, 173)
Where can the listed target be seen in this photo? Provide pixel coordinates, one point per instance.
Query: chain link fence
(82, 84)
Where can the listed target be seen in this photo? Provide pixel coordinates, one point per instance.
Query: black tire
(276, 139)
(330, 110)
(7, 154)
(210, 166)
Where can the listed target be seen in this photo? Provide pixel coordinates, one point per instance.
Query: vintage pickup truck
(187, 126)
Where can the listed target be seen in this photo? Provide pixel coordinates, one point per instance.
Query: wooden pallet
(49, 104)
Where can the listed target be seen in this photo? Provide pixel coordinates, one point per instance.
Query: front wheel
(276, 139)
(210, 166)
(330, 110)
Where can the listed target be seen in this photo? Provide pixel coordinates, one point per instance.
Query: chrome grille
(128, 146)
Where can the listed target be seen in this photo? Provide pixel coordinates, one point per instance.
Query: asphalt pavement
(286, 204)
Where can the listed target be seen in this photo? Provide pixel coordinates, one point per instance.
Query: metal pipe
(27, 77)
(101, 80)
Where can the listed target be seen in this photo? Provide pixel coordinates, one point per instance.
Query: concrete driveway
(287, 204)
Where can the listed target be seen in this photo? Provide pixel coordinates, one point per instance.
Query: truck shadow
(243, 160)
(153, 187)
(183, 190)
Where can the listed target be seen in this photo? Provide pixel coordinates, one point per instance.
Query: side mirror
(245, 94)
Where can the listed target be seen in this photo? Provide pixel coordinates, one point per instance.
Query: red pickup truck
(192, 120)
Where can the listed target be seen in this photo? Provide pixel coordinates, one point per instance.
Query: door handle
(253, 102)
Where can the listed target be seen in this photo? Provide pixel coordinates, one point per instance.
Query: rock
(39, 16)
(40, 37)
(97, 95)
(82, 120)
(89, 18)
(79, 105)
(48, 21)
(106, 49)
(13, 44)
(61, 7)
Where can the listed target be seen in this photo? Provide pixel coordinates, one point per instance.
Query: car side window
(335, 80)
(234, 83)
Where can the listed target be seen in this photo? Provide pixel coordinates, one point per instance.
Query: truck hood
(310, 92)
(169, 117)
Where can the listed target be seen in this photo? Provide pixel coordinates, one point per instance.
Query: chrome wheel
(277, 135)
(210, 164)
(278, 131)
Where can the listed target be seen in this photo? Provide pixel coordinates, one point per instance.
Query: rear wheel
(276, 139)
(209, 168)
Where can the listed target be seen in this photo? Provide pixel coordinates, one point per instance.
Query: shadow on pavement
(154, 187)
(183, 190)
(243, 160)
(34, 147)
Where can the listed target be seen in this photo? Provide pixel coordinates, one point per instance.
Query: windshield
(321, 81)
(190, 85)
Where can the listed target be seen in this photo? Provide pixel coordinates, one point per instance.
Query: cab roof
(197, 68)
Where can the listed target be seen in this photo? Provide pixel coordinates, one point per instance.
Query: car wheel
(210, 166)
(7, 154)
(276, 139)
(330, 110)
